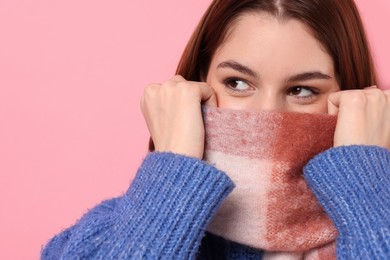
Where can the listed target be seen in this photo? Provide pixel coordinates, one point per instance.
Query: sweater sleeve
(163, 214)
(353, 185)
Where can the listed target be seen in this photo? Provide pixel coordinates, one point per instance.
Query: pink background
(71, 76)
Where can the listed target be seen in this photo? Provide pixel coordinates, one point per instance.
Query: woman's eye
(237, 85)
(301, 92)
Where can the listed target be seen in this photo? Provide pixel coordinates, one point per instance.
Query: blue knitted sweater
(166, 209)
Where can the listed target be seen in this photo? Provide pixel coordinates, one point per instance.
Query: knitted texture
(264, 153)
(165, 212)
(353, 185)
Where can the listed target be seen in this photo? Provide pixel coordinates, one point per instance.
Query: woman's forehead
(261, 39)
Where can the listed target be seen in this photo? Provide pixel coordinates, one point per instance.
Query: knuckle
(151, 88)
(387, 93)
(150, 92)
(177, 77)
(357, 97)
(186, 88)
(376, 95)
(373, 91)
(184, 85)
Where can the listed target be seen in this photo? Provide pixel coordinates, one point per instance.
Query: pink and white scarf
(272, 207)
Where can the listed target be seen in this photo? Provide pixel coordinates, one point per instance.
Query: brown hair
(335, 23)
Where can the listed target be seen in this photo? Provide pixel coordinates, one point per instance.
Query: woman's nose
(269, 101)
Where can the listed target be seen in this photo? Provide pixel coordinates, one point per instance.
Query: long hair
(336, 24)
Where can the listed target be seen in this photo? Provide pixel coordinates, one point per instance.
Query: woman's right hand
(173, 114)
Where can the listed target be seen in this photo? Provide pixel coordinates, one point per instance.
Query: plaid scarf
(271, 208)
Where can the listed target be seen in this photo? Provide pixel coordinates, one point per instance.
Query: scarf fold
(272, 207)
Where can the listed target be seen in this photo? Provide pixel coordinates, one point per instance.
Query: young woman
(252, 55)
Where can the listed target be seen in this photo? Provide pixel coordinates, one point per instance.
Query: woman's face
(268, 64)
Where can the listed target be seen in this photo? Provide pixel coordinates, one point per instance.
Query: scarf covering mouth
(271, 208)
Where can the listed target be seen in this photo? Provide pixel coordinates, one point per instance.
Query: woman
(252, 55)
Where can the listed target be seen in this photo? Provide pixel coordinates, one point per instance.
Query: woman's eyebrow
(308, 76)
(311, 75)
(238, 67)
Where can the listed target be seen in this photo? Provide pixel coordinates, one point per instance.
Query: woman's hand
(173, 114)
(363, 117)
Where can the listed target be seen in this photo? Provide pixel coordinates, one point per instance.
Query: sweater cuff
(176, 195)
(352, 184)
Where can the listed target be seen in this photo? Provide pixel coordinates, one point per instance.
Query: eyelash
(312, 90)
(227, 82)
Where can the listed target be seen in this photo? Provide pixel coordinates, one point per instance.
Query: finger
(177, 78)
(334, 103)
(387, 93)
(371, 87)
(375, 99)
(149, 91)
(208, 95)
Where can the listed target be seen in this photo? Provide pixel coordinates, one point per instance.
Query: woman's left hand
(363, 116)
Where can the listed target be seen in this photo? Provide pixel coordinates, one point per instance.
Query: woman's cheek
(235, 103)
